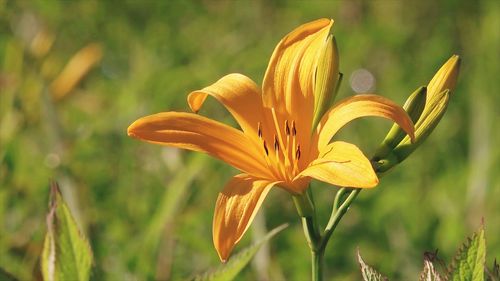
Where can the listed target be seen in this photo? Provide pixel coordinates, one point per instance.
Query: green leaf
(229, 270)
(368, 273)
(66, 252)
(429, 273)
(470, 260)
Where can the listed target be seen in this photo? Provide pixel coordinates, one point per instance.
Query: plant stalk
(317, 265)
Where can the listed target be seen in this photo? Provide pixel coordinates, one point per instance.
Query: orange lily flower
(276, 145)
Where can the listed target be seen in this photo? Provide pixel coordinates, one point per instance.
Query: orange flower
(277, 144)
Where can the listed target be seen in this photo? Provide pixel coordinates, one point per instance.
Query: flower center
(283, 155)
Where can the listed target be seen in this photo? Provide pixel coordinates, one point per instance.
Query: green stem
(337, 214)
(305, 207)
(338, 197)
(316, 240)
(311, 232)
(317, 265)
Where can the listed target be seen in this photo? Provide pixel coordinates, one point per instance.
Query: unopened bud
(435, 110)
(436, 102)
(445, 77)
(414, 106)
(326, 78)
(438, 95)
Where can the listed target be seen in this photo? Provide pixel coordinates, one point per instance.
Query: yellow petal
(239, 94)
(342, 164)
(235, 209)
(288, 85)
(445, 78)
(198, 133)
(361, 106)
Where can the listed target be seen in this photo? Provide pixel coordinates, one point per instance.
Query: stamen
(276, 144)
(279, 135)
(294, 143)
(297, 153)
(259, 130)
(287, 128)
(265, 148)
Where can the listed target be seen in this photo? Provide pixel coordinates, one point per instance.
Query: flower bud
(326, 78)
(435, 110)
(445, 78)
(436, 102)
(414, 106)
(438, 94)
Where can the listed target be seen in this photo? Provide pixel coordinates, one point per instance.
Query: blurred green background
(147, 210)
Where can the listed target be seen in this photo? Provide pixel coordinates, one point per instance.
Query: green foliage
(468, 264)
(66, 252)
(236, 263)
(470, 260)
(5, 276)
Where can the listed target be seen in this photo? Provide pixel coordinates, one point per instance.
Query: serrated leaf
(470, 260)
(429, 273)
(66, 252)
(368, 273)
(229, 270)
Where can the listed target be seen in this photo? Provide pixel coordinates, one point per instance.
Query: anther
(259, 130)
(287, 128)
(265, 148)
(294, 130)
(297, 152)
(276, 144)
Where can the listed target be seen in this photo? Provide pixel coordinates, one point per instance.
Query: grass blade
(229, 270)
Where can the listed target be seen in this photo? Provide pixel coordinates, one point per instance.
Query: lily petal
(288, 84)
(235, 209)
(361, 106)
(239, 94)
(342, 164)
(198, 133)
